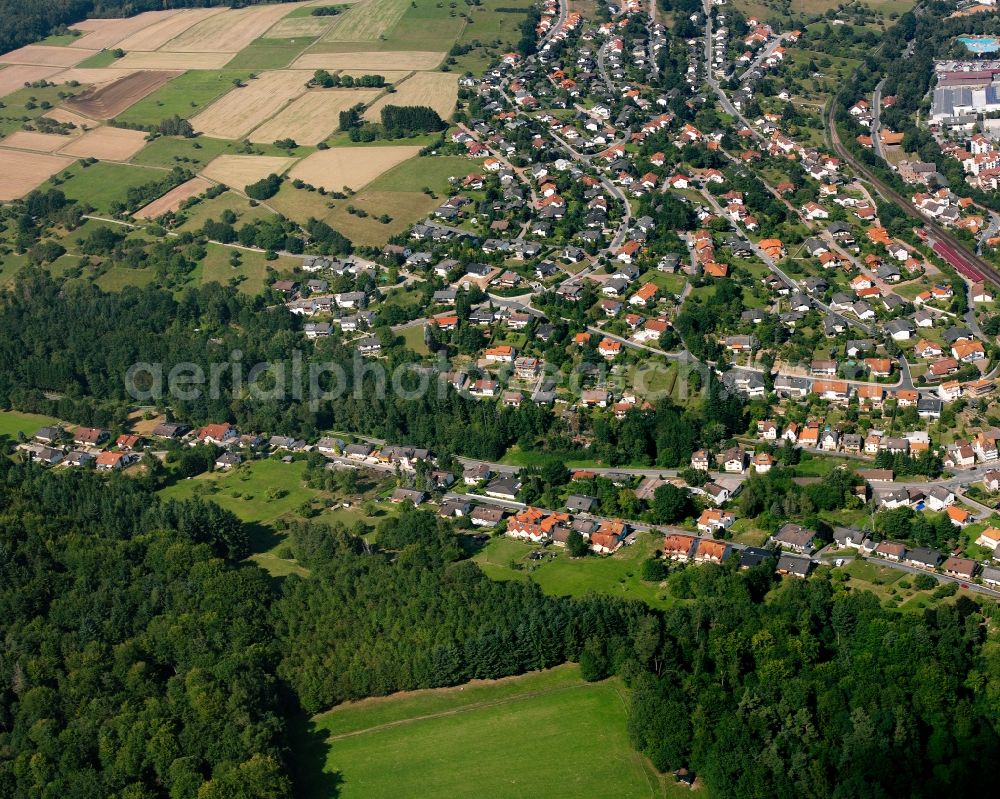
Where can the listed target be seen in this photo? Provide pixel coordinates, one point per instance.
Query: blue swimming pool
(980, 44)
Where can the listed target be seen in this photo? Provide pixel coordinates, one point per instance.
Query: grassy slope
(617, 575)
(525, 736)
(14, 422)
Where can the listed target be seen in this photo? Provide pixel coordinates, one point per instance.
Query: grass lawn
(266, 54)
(197, 214)
(14, 422)
(615, 575)
(300, 204)
(417, 173)
(99, 60)
(409, 744)
(404, 208)
(216, 267)
(118, 277)
(101, 184)
(184, 96)
(414, 338)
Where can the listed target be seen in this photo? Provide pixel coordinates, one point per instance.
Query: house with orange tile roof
(609, 348)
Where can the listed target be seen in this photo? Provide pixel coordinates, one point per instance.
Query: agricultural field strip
(228, 32)
(366, 21)
(155, 36)
(100, 34)
(243, 109)
(439, 90)
(312, 117)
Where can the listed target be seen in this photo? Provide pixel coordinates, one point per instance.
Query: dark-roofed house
(754, 556)
(407, 494)
(793, 565)
(578, 503)
(794, 537)
(503, 488)
(923, 558)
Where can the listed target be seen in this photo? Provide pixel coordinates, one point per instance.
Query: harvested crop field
(68, 117)
(159, 33)
(355, 167)
(182, 61)
(374, 62)
(439, 90)
(366, 21)
(312, 117)
(24, 171)
(33, 140)
(241, 110)
(14, 78)
(92, 75)
(294, 27)
(100, 34)
(237, 171)
(229, 31)
(107, 144)
(110, 99)
(46, 55)
(173, 199)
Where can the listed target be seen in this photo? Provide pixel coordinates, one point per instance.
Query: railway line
(943, 243)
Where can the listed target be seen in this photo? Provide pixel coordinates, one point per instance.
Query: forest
(143, 659)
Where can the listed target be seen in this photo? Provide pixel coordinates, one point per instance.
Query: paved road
(876, 124)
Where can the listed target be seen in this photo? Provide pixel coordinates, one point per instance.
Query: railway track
(944, 244)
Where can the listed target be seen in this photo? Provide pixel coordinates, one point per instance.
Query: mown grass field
(616, 575)
(184, 96)
(545, 734)
(14, 422)
(270, 53)
(101, 184)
